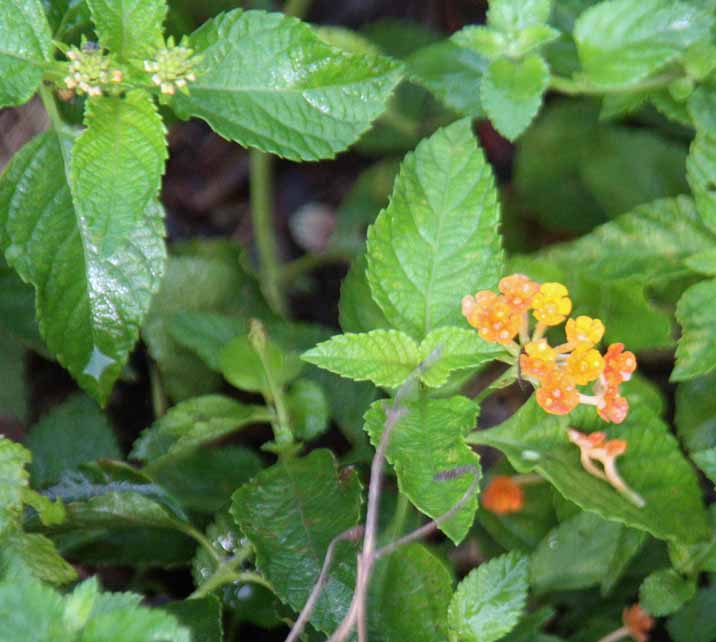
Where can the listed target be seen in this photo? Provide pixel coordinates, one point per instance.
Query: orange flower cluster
(555, 371)
(503, 496)
(595, 447)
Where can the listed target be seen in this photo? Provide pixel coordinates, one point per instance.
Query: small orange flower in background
(638, 621)
(493, 318)
(558, 393)
(519, 291)
(503, 496)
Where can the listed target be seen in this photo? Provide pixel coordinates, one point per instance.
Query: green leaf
(649, 244)
(308, 408)
(130, 29)
(576, 554)
(700, 106)
(267, 81)
(206, 334)
(31, 611)
(283, 513)
(437, 240)
(653, 466)
(96, 267)
(452, 74)
(25, 47)
(690, 559)
(409, 596)
(512, 16)
(696, 312)
(458, 349)
(385, 357)
(17, 307)
(37, 555)
(511, 93)
(14, 394)
(494, 44)
(701, 173)
(73, 433)
(706, 461)
(358, 312)
(13, 481)
(134, 625)
(620, 42)
(202, 616)
(703, 262)
(242, 367)
(695, 622)
(205, 277)
(193, 423)
(664, 592)
(630, 544)
(204, 480)
(695, 416)
(489, 602)
(429, 440)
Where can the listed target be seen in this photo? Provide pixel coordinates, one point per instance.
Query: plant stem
(619, 634)
(261, 185)
(282, 424)
(294, 269)
(396, 526)
(48, 101)
(159, 399)
(573, 87)
(297, 8)
(203, 541)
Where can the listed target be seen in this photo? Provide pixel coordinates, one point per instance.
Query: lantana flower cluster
(91, 70)
(557, 372)
(172, 68)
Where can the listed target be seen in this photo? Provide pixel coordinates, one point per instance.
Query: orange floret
(638, 621)
(551, 304)
(584, 332)
(540, 359)
(503, 496)
(613, 407)
(558, 393)
(519, 291)
(618, 365)
(491, 316)
(585, 366)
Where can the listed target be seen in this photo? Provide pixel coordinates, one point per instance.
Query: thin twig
(351, 535)
(433, 525)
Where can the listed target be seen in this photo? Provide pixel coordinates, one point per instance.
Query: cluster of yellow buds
(91, 70)
(595, 447)
(555, 371)
(172, 68)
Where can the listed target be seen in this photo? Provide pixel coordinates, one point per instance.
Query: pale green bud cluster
(91, 71)
(172, 68)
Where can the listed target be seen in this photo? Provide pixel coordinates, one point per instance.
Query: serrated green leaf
(37, 555)
(308, 408)
(357, 310)
(134, 625)
(130, 29)
(242, 367)
(13, 480)
(484, 41)
(96, 267)
(25, 47)
(664, 592)
(515, 15)
(653, 466)
(693, 558)
(267, 81)
(701, 173)
(620, 42)
(576, 554)
(437, 240)
(489, 602)
(409, 595)
(202, 616)
(695, 622)
(512, 91)
(649, 244)
(703, 262)
(192, 423)
(385, 357)
(451, 73)
(73, 433)
(458, 349)
(429, 440)
(283, 513)
(696, 351)
(700, 107)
